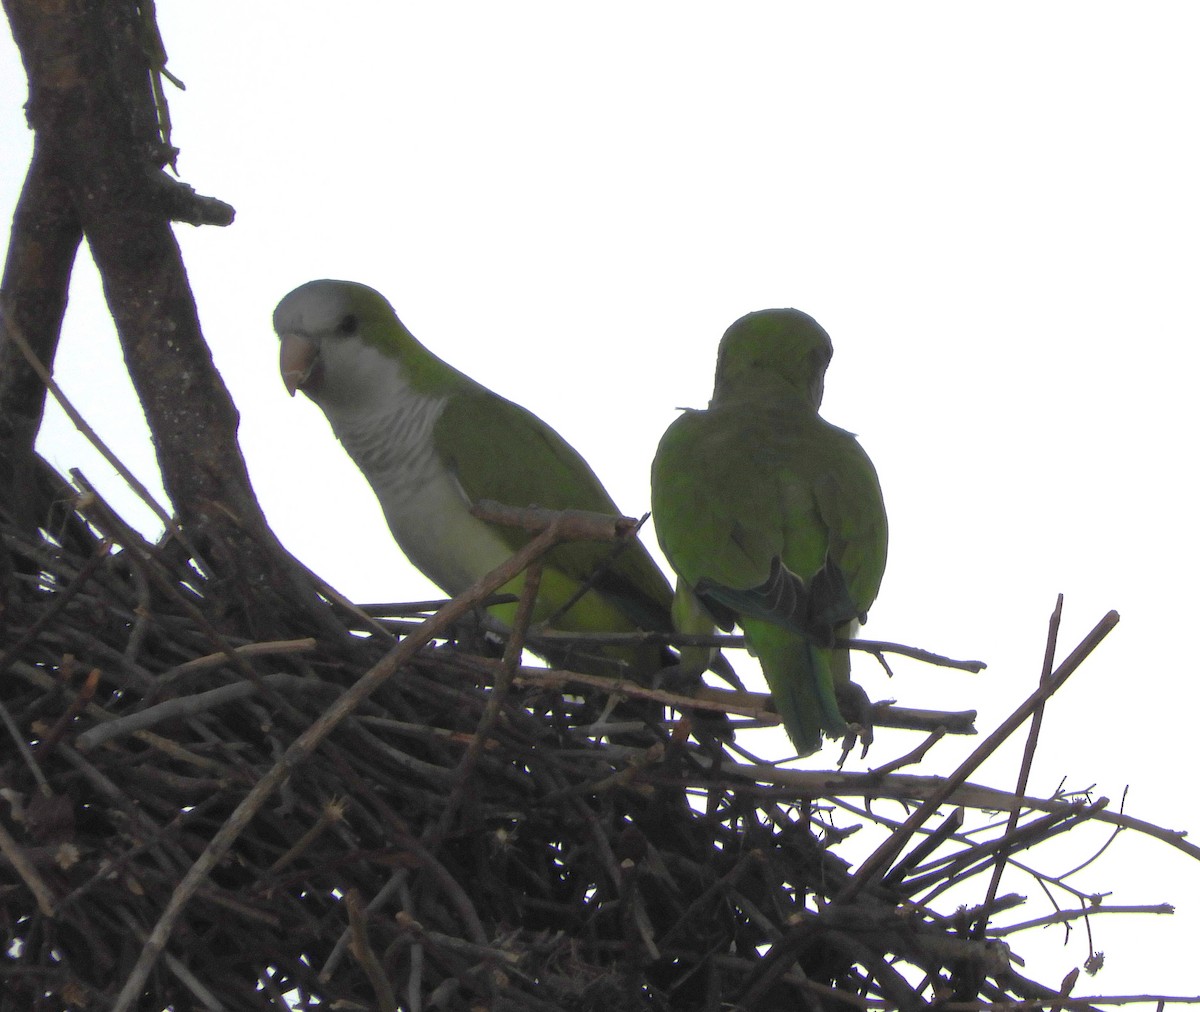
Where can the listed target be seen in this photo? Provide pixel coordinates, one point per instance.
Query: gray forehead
(313, 307)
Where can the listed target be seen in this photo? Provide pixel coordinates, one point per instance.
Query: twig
(618, 548)
(24, 751)
(888, 714)
(271, 649)
(393, 885)
(878, 647)
(874, 647)
(53, 735)
(343, 602)
(190, 706)
(28, 873)
(1062, 916)
(576, 525)
(913, 757)
(360, 946)
(1035, 726)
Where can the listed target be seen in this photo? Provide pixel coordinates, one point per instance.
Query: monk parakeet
(773, 518)
(431, 442)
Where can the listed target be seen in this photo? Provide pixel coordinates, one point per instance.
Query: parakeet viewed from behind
(431, 442)
(773, 518)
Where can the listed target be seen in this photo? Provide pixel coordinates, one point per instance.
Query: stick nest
(416, 858)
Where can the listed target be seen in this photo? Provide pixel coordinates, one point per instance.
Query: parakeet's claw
(856, 707)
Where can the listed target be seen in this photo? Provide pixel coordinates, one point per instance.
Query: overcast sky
(992, 208)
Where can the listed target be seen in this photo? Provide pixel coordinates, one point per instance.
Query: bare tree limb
(100, 145)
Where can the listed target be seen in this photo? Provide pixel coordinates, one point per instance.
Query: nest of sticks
(400, 819)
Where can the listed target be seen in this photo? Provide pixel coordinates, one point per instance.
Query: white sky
(992, 208)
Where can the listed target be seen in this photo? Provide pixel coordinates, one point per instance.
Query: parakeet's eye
(348, 324)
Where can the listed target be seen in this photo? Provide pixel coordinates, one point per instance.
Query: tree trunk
(98, 169)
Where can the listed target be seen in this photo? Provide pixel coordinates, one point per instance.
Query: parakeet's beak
(298, 362)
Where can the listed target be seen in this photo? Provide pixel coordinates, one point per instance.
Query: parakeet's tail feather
(801, 680)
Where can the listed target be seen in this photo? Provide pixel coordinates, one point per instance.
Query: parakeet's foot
(856, 707)
(854, 703)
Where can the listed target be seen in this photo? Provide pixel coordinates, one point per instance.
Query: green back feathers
(734, 487)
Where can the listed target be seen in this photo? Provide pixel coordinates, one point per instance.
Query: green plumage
(772, 517)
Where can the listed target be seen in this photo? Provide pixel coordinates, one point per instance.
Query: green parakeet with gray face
(773, 518)
(431, 442)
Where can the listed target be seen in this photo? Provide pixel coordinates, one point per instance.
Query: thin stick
(274, 648)
(878, 647)
(29, 874)
(913, 757)
(673, 639)
(1035, 727)
(360, 947)
(24, 751)
(180, 707)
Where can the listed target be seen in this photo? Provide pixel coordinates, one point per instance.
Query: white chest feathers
(387, 427)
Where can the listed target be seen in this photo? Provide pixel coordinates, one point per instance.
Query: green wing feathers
(630, 592)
